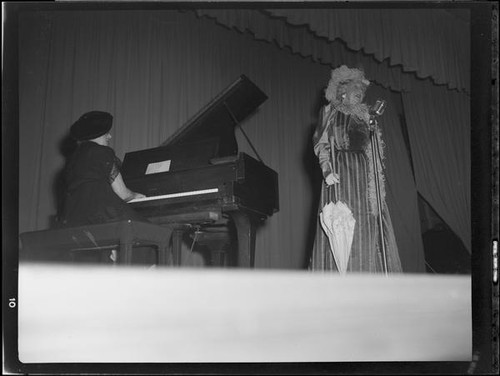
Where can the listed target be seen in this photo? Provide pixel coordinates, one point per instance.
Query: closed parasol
(338, 224)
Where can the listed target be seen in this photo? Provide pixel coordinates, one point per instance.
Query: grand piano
(198, 182)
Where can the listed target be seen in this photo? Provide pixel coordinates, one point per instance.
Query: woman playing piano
(95, 191)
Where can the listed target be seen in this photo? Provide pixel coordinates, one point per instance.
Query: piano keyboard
(174, 195)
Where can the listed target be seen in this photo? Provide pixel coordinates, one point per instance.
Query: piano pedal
(197, 233)
(113, 256)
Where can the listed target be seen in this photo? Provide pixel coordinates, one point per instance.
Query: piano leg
(177, 235)
(125, 253)
(217, 258)
(164, 254)
(245, 228)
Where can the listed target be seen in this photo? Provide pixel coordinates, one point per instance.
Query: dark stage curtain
(153, 71)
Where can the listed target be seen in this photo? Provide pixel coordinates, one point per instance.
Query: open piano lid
(210, 134)
(219, 117)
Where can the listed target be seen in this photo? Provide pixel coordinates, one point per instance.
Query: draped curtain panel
(153, 71)
(439, 131)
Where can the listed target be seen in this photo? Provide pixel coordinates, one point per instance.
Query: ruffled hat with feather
(342, 77)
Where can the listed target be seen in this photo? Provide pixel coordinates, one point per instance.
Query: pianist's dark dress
(89, 196)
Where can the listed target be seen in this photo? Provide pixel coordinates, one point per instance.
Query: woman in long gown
(342, 145)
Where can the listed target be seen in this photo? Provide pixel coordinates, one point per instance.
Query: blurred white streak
(129, 315)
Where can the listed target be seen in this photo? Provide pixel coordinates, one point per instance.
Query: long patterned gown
(349, 137)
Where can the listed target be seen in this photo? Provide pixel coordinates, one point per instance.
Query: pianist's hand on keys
(135, 196)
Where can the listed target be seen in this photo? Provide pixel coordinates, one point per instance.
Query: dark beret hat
(91, 125)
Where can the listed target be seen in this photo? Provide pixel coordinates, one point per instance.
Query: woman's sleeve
(115, 169)
(108, 162)
(322, 143)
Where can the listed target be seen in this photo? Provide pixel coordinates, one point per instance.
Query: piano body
(197, 180)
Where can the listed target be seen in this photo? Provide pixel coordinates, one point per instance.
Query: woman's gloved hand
(332, 179)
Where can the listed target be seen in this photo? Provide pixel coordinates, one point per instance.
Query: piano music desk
(57, 244)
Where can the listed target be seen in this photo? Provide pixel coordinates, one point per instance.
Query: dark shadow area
(141, 256)
(217, 245)
(67, 145)
(445, 252)
(406, 138)
(315, 177)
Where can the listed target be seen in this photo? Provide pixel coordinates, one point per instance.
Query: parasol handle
(333, 192)
(335, 186)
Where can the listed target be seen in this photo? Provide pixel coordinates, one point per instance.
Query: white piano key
(174, 195)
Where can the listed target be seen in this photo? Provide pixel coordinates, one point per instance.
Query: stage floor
(70, 314)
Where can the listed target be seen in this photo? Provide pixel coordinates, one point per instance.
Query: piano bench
(57, 244)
